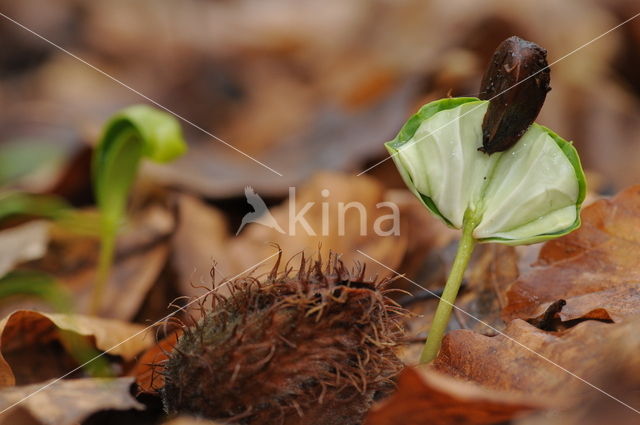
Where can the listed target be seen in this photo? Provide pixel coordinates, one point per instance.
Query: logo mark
(260, 213)
(333, 216)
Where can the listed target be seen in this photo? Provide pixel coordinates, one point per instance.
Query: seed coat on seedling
(516, 83)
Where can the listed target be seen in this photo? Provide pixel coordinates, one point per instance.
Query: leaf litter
(481, 377)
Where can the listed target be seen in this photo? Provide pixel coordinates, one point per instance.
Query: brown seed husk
(315, 346)
(516, 83)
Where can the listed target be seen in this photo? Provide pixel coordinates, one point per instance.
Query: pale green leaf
(531, 192)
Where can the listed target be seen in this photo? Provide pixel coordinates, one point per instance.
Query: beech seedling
(134, 133)
(484, 167)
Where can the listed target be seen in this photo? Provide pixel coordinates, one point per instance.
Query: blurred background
(307, 88)
(300, 85)
(310, 90)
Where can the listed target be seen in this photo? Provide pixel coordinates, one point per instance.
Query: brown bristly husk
(308, 346)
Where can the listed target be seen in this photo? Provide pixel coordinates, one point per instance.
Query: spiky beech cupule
(313, 346)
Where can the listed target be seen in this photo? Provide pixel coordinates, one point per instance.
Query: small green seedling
(459, 156)
(134, 133)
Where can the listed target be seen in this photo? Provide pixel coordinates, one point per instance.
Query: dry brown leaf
(29, 338)
(530, 361)
(621, 302)
(609, 112)
(71, 258)
(274, 116)
(425, 396)
(65, 402)
(593, 267)
(22, 243)
(202, 241)
(335, 140)
(618, 377)
(340, 189)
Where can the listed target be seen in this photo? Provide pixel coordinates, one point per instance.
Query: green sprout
(517, 192)
(133, 133)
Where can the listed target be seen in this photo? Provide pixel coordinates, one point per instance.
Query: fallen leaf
(618, 378)
(541, 365)
(65, 402)
(202, 237)
(326, 192)
(621, 302)
(29, 337)
(426, 396)
(71, 258)
(593, 267)
(22, 243)
(607, 111)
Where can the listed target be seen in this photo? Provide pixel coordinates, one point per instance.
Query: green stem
(443, 312)
(107, 251)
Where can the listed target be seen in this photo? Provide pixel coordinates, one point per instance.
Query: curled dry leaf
(595, 267)
(426, 396)
(65, 402)
(28, 338)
